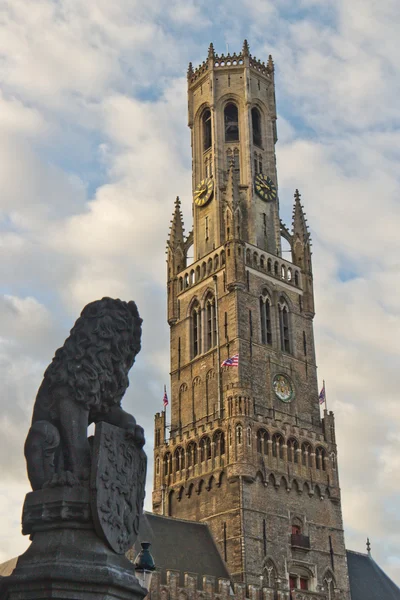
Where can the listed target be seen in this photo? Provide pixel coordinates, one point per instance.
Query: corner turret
(301, 250)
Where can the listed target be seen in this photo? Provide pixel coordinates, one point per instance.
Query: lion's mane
(95, 359)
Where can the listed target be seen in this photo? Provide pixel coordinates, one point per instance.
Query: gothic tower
(247, 450)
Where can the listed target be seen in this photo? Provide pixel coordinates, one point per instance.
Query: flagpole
(165, 415)
(218, 347)
(326, 404)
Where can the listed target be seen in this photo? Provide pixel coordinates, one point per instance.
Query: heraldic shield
(117, 486)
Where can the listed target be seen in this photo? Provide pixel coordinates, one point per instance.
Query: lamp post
(144, 565)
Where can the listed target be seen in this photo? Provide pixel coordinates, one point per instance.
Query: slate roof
(185, 546)
(367, 580)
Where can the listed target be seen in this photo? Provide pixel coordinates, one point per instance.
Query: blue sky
(94, 148)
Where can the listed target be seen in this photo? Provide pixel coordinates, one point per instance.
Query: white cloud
(94, 148)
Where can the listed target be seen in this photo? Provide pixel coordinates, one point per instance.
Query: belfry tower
(247, 450)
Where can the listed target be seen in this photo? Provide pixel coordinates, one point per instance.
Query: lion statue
(84, 384)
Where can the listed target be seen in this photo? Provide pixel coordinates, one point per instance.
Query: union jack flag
(165, 398)
(322, 397)
(233, 361)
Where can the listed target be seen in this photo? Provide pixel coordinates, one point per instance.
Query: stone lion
(84, 383)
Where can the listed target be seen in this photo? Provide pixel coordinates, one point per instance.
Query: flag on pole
(322, 396)
(165, 398)
(233, 361)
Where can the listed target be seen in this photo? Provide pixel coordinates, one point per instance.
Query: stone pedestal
(66, 559)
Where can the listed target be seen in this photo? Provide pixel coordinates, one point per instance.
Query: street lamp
(144, 565)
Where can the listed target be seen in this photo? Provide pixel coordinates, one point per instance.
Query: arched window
(320, 458)
(265, 315)
(284, 326)
(293, 446)
(296, 278)
(248, 257)
(211, 323)
(207, 136)
(196, 329)
(270, 574)
(239, 434)
(167, 463)
(191, 454)
(305, 454)
(219, 443)
(158, 465)
(179, 459)
(329, 586)
(277, 445)
(262, 441)
(205, 449)
(256, 123)
(269, 265)
(231, 118)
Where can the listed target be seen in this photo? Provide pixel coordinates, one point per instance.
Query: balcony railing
(300, 541)
(307, 595)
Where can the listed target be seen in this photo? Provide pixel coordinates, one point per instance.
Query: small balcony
(298, 540)
(307, 595)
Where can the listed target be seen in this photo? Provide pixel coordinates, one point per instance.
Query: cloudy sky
(94, 147)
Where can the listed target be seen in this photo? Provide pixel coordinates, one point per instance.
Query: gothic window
(284, 326)
(196, 329)
(211, 323)
(239, 434)
(298, 582)
(179, 459)
(277, 445)
(255, 258)
(276, 266)
(320, 458)
(270, 574)
(265, 314)
(216, 262)
(231, 119)
(305, 454)
(180, 284)
(249, 436)
(296, 278)
(256, 123)
(198, 273)
(209, 266)
(292, 450)
(167, 464)
(157, 466)
(329, 585)
(219, 443)
(333, 461)
(262, 441)
(207, 136)
(223, 257)
(191, 454)
(248, 257)
(262, 262)
(269, 265)
(205, 449)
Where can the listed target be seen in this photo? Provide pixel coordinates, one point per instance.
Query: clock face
(203, 191)
(265, 187)
(283, 388)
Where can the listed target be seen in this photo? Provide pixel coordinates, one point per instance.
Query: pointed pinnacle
(177, 202)
(211, 52)
(246, 49)
(271, 64)
(368, 547)
(190, 70)
(297, 195)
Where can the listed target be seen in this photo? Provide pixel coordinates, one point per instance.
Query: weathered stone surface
(117, 486)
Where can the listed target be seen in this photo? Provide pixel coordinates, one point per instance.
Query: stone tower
(247, 450)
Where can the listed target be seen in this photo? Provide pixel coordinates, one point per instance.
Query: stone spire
(246, 49)
(270, 64)
(300, 228)
(176, 237)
